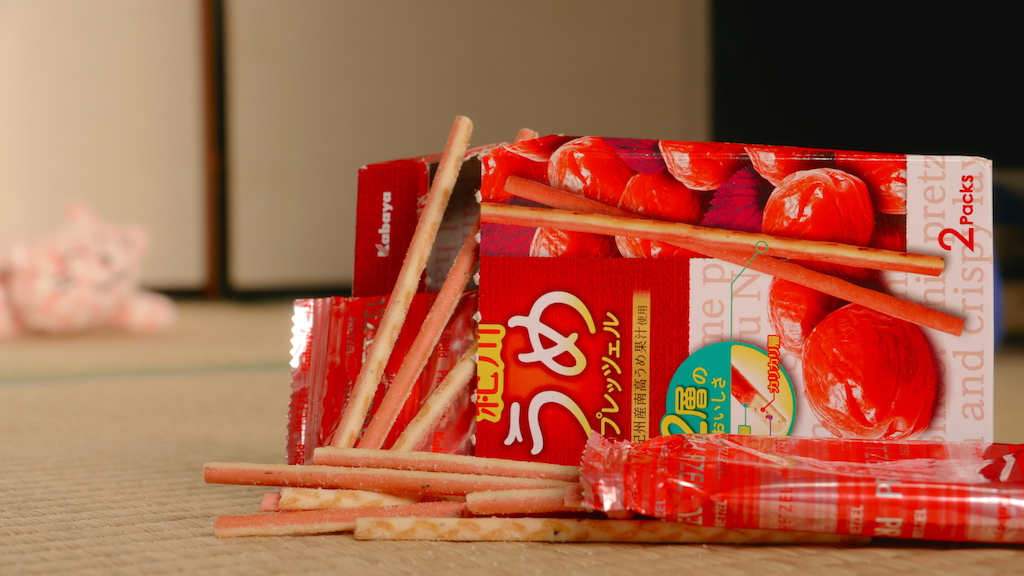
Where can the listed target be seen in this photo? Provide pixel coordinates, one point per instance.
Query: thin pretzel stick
(842, 289)
(574, 496)
(322, 521)
(373, 479)
(579, 530)
(539, 501)
(322, 499)
(439, 400)
(405, 287)
(879, 301)
(526, 134)
(437, 318)
(436, 462)
(555, 198)
(271, 502)
(671, 232)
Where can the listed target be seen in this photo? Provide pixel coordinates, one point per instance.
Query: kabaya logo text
(384, 247)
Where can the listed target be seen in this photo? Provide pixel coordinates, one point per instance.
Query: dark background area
(905, 77)
(891, 77)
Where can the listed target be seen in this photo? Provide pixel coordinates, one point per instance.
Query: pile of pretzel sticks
(389, 495)
(400, 493)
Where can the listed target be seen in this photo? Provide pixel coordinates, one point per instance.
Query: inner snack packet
(953, 491)
(642, 288)
(329, 341)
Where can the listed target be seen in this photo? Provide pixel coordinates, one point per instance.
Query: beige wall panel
(100, 101)
(318, 88)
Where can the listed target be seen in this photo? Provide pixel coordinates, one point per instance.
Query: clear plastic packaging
(953, 491)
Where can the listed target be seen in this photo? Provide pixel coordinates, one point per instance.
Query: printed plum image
(591, 168)
(528, 159)
(702, 165)
(869, 375)
(885, 177)
(795, 311)
(774, 163)
(662, 197)
(823, 204)
(551, 242)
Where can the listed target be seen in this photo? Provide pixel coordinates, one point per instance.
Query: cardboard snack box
(389, 198)
(638, 337)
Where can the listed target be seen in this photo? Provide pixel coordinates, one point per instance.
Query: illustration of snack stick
(745, 393)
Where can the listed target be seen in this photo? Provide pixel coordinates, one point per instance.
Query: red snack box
(389, 198)
(635, 338)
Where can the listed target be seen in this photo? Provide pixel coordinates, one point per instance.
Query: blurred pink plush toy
(82, 277)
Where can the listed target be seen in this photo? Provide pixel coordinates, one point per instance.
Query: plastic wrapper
(952, 491)
(330, 337)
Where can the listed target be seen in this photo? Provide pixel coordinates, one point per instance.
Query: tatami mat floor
(103, 437)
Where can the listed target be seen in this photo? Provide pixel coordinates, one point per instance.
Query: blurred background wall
(101, 101)
(104, 101)
(234, 129)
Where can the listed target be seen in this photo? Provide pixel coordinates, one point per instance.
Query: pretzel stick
(322, 521)
(555, 198)
(574, 496)
(405, 287)
(373, 479)
(398, 393)
(271, 502)
(579, 530)
(879, 301)
(539, 501)
(672, 232)
(526, 134)
(322, 499)
(436, 462)
(460, 376)
(437, 318)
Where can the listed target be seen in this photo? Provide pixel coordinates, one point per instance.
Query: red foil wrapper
(330, 337)
(952, 491)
